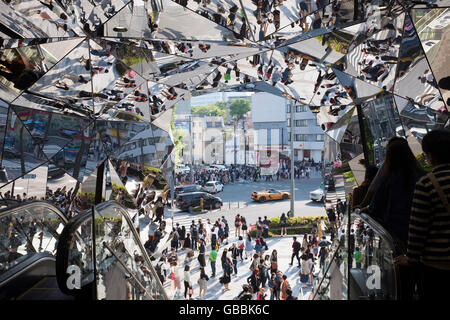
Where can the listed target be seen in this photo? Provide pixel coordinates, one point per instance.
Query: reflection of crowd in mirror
(20, 70)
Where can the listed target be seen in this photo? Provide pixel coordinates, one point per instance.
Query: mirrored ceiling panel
(384, 123)
(31, 186)
(21, 153)
(433, 30)
(415, 77)
(375, 59)
(38, 19)
(419, 119)
(70, 78)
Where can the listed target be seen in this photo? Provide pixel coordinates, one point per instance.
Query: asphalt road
(240, 192)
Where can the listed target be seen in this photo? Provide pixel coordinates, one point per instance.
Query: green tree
(209, 110)
(239, 108)
(178, 135)
(221, 105)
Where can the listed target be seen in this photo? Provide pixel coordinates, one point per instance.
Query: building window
(209, 124)
(289, 122)
(296, 152)
(301, 137)
(218, 124)
(288, 108)
(319, 137)
(301, 123)
(301, 108)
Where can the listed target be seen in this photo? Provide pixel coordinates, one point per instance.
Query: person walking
(248, 246)
(212, 260)
(274, 261)
(295, 251)
(203, 283)
(244, 226)
(241, 245)
(284, 287)
(187, 283)
(272, 287)
(304, 273)
(223, 258)
(234, 256)
(258, 247)
(283, 224)
(201, 253)
(237, 225)
(182, 236)
(227, 271)
(266, 224)
(175, 277)
(262, 272)
(254, 281)
(259, 227)
(357, 255)
(194, 235)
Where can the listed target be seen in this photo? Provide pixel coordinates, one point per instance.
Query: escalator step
(45, 289)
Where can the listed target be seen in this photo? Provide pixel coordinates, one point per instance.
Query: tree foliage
(178, 135)
(239, 108)
(210, 110)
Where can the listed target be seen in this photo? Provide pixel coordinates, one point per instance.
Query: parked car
(270, 194)
(318, 194)
(181, 168)
(186, 189)
(213, 187)
(187, 201)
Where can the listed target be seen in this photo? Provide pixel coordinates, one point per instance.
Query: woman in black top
(227, 270)
(254, 281)
(244, 226)
(182, 234)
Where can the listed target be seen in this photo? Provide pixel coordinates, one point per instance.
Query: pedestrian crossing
(332, 197)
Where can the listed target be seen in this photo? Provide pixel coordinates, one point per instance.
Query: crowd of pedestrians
(237, 173)
(209, 243)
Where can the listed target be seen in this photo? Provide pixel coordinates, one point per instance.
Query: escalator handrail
(26, 205)
(24, 266)
(62, 252)
(112, 203)
(326, 271)
(397, 246)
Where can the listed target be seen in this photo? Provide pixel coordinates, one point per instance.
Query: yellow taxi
(270, 194)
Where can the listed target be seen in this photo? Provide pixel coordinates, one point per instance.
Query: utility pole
(292, 162)
(191, 172)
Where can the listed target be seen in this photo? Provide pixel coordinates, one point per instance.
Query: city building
(308, 135)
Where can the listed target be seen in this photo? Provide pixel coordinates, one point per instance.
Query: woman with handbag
(273, 261)
(304, 273)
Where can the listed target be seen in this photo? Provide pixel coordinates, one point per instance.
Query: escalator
(105, 260)
(375, 276)
(28, 238)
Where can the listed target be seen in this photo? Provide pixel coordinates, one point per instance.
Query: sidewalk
(215, 288)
